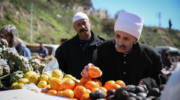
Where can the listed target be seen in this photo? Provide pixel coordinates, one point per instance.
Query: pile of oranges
(68, 86)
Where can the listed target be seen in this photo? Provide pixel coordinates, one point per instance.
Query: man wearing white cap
(124, 58)
(75, 53)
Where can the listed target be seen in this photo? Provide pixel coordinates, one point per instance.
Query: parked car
(51, 48)
(174, 52)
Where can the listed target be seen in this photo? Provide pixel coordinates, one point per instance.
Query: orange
(60, 93)
(109, 84)
(52, 92)
(103, 89)
(85, 97)
(14, 85)
(78, 84)
(115, 86)
(72, 77)
(55, 83)
(88, 91)
(17, 85)
(57, 73)
(79, 91)
(20, 85)
(68, 93)
(44, 77)
(42, 84)
(94, 72)
(91, 85)
(74, 99)
(45, 90)
(84, 80)
(34, 78)
(29, 74)
(121, 83)
(67, 84)
(23, 80)
(99, 82)
(46, 73)
(94, 89)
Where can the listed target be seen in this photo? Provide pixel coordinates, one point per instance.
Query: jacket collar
(96, 41)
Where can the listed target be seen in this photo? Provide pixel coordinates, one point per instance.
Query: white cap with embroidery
(130, 23)
(79, 15)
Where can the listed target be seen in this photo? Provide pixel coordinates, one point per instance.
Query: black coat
(72, 57)
(140, 63)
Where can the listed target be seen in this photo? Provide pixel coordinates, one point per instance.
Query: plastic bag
(31, 87)
(172, 88)
(53, 64)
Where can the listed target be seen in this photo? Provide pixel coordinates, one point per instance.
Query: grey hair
(12, 31)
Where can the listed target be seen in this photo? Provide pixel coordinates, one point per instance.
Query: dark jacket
(72, 57)
(43, 52)
(141, 62)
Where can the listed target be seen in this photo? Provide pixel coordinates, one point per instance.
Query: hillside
(52, 20)
(155, 36)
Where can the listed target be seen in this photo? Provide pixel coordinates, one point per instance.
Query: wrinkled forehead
(123, 34)
(81, 21)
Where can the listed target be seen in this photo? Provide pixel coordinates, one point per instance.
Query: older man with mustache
(124, 58)
(75, 53)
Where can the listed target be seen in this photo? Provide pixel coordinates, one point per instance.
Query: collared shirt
(43, 52)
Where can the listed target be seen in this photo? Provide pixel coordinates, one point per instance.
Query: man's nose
(120, 41)
(83, 26)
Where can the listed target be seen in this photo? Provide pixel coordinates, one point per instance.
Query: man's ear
(135, 41)
(74, 27)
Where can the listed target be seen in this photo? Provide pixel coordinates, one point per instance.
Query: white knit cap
(130, 23)
(79, 15)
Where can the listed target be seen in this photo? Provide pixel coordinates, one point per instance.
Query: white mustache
(121, 46)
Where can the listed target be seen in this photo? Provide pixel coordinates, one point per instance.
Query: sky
(147, 9)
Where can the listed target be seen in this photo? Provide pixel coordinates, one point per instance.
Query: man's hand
(91, 71)
(84, 72)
